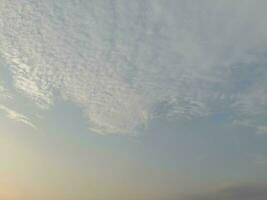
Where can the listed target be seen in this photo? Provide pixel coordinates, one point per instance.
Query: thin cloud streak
(16, 116)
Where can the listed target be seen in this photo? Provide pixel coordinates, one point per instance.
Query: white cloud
(14, 115)
(120, 62)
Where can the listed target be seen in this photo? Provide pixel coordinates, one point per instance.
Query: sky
(145, 99)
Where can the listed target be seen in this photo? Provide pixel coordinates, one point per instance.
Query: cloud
(262, 129)
(253, 124)
(126, 63)
(237, 192)
(2, 90)
(13, 115)
(4, 94)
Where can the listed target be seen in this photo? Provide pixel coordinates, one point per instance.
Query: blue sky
(120, 99)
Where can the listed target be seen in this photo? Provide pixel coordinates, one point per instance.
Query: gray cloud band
(238, 192)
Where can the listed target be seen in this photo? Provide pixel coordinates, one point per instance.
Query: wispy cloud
(4, 93)
(259, 128)
(14, 115)
(126, 64)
